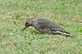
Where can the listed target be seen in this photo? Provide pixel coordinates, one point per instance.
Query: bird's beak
(24, 28)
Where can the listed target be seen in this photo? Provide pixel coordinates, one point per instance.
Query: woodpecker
(46, 26)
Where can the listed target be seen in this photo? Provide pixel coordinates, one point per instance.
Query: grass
(66, 13)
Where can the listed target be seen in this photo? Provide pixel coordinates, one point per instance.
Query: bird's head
(28, 23)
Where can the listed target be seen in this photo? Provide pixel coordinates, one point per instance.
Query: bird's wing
(55, 27)
(41, 24)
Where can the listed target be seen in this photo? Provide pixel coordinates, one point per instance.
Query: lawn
(14, 13)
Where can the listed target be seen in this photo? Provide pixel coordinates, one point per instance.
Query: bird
(45, 26)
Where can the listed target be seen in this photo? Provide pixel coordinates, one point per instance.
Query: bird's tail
(67, 34)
